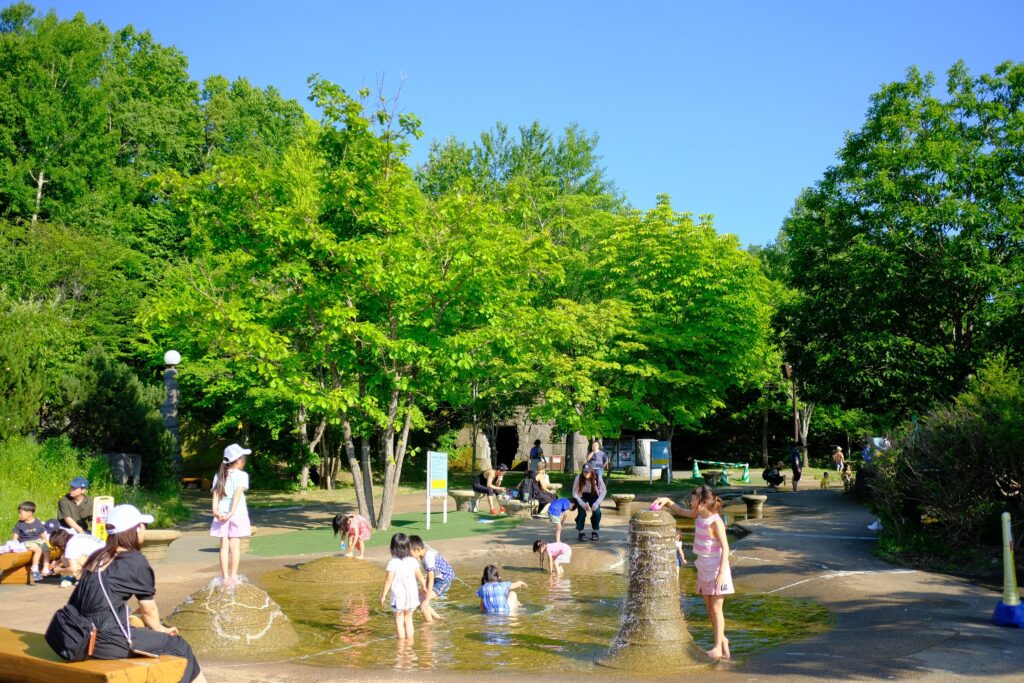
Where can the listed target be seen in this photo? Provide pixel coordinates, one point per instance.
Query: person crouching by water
(112, 576)
(488, 483)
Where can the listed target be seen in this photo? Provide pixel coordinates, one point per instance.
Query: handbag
(71, 635)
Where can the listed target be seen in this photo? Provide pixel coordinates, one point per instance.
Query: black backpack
(71, 635)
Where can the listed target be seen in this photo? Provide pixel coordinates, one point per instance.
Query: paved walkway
(890, 623)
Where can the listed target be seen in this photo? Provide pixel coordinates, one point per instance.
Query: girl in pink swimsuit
(714, 577)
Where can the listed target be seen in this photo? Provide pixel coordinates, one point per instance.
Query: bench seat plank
(14, 567)
(25, 657)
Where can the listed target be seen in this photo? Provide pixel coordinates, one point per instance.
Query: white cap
(125, 517)
(234, 452)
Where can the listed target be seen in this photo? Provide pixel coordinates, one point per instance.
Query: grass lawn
(323, 540)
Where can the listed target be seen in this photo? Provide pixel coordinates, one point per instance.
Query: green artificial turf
(322, 539)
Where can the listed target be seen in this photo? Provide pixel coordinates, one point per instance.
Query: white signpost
(661, 456)
(437, 481)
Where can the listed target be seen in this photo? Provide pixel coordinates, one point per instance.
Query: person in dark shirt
(118, 573)
(75, 507)
(796, 464)
(32, 533)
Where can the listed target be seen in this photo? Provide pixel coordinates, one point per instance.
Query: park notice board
(437, 481)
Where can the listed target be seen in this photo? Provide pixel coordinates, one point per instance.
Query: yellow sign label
(439, 484)
(101, 507)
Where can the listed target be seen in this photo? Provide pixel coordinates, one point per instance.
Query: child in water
(553, 555)
(403, 575)
(497, 596)
(355, 530)
(439, 575)
(714, 576)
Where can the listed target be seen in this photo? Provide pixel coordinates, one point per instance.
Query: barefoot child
(230, 514)
(714, 577)
(355, 530)
(680, 557)
(557, 512)
(403, 576)
(439, 575)
(497, 596)
(553, 555)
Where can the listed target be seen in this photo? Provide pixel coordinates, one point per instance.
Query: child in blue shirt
(497, 596)
(32, 533)
(557, 512)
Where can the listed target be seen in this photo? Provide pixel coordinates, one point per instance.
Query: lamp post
(788, 373)
(169, 408)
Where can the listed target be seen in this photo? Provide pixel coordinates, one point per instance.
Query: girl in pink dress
(355, 530)
(714, 577)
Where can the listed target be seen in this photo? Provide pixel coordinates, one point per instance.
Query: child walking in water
(355, 530)
(439, 575)
(230, 514)
(714, 577)
(403, 576)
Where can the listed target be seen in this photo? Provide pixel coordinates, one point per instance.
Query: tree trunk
(353, 464)
(395, 456)
(365, 456)
(805, 428)
(569, 466)
(40, 181)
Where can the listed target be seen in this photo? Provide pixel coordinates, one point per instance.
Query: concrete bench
(14, 568)
(517, 508)
(200, 483)
(26, 658)
(465, 499)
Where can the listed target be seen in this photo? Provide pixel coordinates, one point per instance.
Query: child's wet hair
(416, 543)
(400, 546)
(538, 545)
(706, 498)
(491, 574)
(340, 522)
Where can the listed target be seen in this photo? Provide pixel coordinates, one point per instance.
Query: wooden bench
(26, 658)
(14, 568)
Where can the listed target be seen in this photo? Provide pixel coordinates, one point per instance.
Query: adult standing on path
(75, 507)
(589, 491)
(536, 456)
(796, 465)
(598, 459)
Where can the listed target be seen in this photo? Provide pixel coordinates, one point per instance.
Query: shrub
(960, 466)
(41, 473)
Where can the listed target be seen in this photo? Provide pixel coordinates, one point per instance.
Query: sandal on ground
(583, 537)
(494, 511)
(594, 536)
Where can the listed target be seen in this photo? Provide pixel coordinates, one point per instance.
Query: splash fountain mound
(216, 620)
(653, 636)
(335, 570)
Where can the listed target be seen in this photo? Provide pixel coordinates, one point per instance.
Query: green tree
(906, 256)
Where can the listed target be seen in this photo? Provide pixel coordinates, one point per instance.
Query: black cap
(503, 467)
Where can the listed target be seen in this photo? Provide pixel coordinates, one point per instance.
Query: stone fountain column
(653, 637)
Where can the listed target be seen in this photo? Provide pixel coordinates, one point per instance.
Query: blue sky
(729, 107)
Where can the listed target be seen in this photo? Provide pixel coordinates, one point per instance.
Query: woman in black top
(488, 483)
(123, 572)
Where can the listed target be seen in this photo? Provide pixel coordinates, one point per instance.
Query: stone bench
(200, 483)
(465, 499)
(622, 501)
(25, 657)
(14, 568)
(517, 508)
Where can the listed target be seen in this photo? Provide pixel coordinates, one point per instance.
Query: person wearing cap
(589, 491)
(75, 507)
(74, 549)
(114, 575)
(230, 514)
(488, 483)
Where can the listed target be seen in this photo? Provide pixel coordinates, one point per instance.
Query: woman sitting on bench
(488, 483)
(113, 575)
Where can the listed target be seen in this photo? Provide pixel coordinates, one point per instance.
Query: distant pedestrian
(796, 464)
(838, 458)
(536, 456)
(598, 459)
